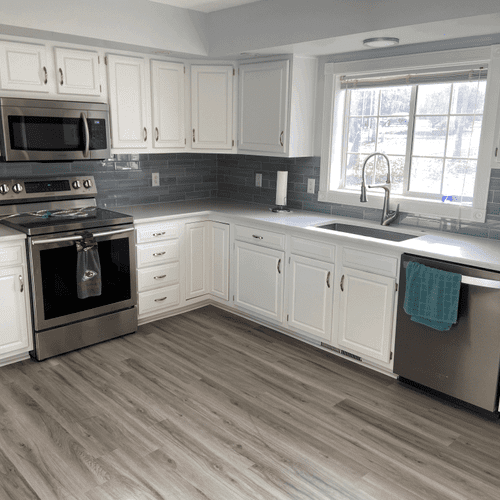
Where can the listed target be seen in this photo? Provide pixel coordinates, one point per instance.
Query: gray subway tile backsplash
(126, 180)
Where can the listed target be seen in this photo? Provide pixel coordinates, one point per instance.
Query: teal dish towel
(431, 296)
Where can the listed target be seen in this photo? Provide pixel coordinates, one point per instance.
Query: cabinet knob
(160, 300)
(145, 134)
(46, 78)
(157, 134)
(157, 254)
(281, 137)
(279, 266)
(22, 283)
(342, 283)
(160, 277)
(62, 77)
(194, 136)
(328, 279)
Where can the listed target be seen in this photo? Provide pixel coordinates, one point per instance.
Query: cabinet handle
(160, 277)
(194, 136)
(159, 234)
(62, 76)
(46, 79)
(22, 283)
(157, 134)
(257, 237)
(158, 254)
(160, 300)
(145, 134)
(279, 266)
(281, 137)
(328, 279)
(342, 283)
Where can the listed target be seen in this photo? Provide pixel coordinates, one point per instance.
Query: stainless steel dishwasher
(463, 362)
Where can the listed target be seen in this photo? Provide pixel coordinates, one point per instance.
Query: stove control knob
(76, 184)
(4, 189)
(17, 188)
(87, 183)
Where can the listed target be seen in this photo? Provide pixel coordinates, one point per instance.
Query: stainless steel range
(81, 262)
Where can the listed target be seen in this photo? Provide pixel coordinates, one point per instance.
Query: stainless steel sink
(371, 232)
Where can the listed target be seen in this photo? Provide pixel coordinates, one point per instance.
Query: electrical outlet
(156, 179)
(258, 180)
(311, 184)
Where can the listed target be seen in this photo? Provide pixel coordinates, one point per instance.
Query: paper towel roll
(281, 186)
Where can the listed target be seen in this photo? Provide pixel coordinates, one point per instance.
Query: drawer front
(157, 231)
(157, 276)
(313, 249)
(157, 300)
(370, 262)
(11, 255)
(260, 237)
(157, 253)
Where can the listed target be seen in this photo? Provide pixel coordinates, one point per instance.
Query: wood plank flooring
(210, 406)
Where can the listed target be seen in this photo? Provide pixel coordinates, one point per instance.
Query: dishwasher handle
(470, 280)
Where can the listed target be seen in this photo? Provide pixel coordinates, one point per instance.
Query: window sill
(429, 208)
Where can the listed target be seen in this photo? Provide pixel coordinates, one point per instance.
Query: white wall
(280, 22)
(129, 22)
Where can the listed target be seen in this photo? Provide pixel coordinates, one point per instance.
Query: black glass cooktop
(46, 222)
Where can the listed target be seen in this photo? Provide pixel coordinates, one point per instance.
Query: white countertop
(468, 250)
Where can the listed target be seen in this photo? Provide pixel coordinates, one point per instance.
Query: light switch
(311, 184)
(156, 179)
(258, 180)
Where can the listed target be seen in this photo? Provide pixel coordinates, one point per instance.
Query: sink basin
(369, 231)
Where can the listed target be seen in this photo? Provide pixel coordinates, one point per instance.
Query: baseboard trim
(15, 358)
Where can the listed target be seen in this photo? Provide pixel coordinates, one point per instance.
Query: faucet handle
(385, 186)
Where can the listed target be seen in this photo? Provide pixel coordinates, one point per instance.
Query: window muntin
(429, 131)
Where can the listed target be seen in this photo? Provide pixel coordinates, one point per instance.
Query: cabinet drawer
(371, 262)
(260, 237)
(157, 300)
(157, 231)
(157, 253)
(313, 249)
(11, 255)
(157, 276)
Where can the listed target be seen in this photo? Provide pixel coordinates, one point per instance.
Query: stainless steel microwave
(43, 130)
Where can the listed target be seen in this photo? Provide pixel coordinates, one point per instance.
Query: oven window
(58, 266)
(41, 133)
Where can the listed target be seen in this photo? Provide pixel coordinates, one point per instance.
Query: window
(427, 119)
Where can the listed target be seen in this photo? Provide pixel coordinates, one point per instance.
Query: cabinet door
(212, 107)
(219, 257)
(14, 303)
(259, 280)
(23, 66)
(167, 80)
(197, 259)
(310, 299)
(128, 102)
(263, 107)
(77, 72)
(366, 313)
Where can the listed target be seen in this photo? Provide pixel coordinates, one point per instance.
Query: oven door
(53, 262)
(52, 134)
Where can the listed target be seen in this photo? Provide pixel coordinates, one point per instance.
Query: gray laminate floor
(210, 406)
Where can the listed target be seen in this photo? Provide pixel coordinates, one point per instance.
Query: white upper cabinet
(263, 107)
(276, 107)
(212, 107)
(128, 102)
(23, 66)
(77, 72)
(167, 81)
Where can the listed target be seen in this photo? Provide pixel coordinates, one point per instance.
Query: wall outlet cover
(311, 185)
(258, 180)
(156, 179)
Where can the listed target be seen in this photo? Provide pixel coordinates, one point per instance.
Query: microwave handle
(87, 135)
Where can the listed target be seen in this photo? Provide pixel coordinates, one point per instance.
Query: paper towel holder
(281, 188)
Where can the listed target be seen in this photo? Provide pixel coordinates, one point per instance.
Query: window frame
(333, 113)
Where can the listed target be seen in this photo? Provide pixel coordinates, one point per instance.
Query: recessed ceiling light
(383, 41)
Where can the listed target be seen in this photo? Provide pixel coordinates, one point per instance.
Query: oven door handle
(78, 237)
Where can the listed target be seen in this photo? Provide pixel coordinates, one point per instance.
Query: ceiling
(205, 5)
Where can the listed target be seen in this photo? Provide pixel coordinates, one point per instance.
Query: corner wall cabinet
(276, 107)
(212, 107)
(15, 333)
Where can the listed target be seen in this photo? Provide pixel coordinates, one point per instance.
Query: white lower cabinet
(15, 332)
(197, 259)
(259, 280)
(310, 296)
(366, 313)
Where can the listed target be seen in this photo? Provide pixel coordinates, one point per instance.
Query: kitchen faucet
(387, 215)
